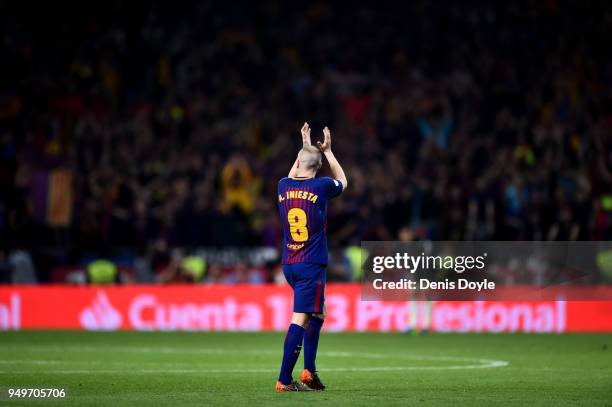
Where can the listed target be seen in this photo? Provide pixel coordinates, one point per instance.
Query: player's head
(310, 158)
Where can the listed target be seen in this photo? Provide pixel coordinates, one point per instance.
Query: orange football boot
(294, 386)
(311, 379)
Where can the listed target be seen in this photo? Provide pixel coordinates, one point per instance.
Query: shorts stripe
(317, 304)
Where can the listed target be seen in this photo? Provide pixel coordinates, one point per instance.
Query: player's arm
(334, 165)
(293, 171)
(305, 142)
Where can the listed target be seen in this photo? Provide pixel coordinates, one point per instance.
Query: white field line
(471, 363)
(213, 371)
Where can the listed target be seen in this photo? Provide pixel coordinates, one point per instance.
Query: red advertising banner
(268, 308)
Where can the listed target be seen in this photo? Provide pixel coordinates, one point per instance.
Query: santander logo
(100, 315)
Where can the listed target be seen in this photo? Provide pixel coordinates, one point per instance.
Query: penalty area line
(485, 364)
(464, 362)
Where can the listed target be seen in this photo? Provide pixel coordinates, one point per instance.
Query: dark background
(171, 123)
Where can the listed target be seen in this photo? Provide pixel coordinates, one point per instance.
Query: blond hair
(310, 157)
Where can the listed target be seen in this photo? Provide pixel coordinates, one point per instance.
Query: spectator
(473, 121)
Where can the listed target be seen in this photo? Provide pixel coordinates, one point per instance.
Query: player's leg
(291, 350)
(311, 340)
(293, 339)
(309, 375)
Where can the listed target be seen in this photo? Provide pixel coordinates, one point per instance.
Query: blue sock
(293, 345)
(311, 343)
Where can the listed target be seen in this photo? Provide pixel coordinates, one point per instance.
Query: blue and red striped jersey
(302, 204)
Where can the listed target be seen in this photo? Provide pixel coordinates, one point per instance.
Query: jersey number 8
(297, 224)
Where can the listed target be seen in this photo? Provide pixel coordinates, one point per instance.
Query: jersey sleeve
(333, 187)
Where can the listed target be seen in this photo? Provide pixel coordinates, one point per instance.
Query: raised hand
(326, 145)
(306, 134)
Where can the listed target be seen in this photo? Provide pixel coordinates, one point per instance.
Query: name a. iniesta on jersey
(298, 194)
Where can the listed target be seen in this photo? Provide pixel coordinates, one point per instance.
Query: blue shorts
(308, 283)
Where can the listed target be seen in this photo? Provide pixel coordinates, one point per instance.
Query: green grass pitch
(175, 369)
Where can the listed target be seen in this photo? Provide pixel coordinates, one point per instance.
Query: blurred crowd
(128, 128)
